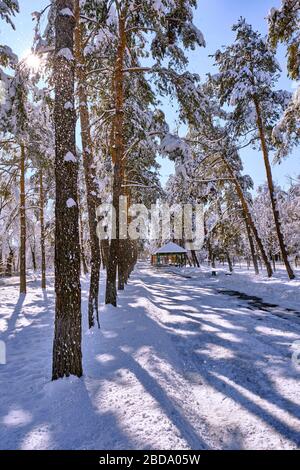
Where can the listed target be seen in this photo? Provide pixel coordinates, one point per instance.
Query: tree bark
(247, 213)
(104, 252)
(22, 223)
(195, 259)
(118, 154)
(9, 263)
(42, 217)
(251, 244)
(82, 252)
(67, 355)
(229, 262)
(122, 263)
(93, 200)
(276, 215)
(33, 257)
(1, 261)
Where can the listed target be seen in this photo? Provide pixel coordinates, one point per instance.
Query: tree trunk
(213, 264)
(276, 215)
(32, 248)
(1, 261)
(122, 263)
(22, 223)
(43, 252)
(82, 252)
(67, 355)
(118, 154)
(93, 200)
(195, 259)
(229, 262)
(104, 252)
(247, 213)
(251, 244)
(9, 263)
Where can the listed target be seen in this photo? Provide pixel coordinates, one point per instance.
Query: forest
(91, 331)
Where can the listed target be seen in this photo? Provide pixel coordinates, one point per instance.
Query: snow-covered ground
(177, 365)
(277, 289)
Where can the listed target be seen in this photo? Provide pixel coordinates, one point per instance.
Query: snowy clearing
(178, 365)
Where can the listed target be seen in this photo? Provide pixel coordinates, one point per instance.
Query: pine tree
(126, 27)
(284, 26)
(248, 71)
(93, 200)
(67, 356)
(219, 149)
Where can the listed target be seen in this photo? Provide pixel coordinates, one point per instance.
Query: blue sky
(214, 18)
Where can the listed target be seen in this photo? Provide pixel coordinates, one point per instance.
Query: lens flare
(32, 61)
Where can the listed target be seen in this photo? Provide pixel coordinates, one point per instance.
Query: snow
(170, 248)
(66, 53)
(199, 36)
(68, 105)
(69, 157)
(66, 12)
(178, 365)
(172, 143)
(70, 203)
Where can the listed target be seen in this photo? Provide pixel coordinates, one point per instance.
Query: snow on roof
(170, 248)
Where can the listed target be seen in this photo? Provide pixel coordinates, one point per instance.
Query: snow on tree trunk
(67, 355)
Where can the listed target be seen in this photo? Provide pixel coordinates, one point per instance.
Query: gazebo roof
(170, 248)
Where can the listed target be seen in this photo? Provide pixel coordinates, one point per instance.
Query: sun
(31, 60)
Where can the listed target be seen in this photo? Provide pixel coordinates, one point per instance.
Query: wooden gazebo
(170, 254)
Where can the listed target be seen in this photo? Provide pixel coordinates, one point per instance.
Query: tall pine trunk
(104, 244)
(22, 223)
(93, 200)
(67, 355)
(9, 263)
(118, 154)
(81, 240)
(276, 215)
(122, 263)
(33, 256)
(42, 217)
(248, 216)
(195, 259)
(251, 244)
(1, 260)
